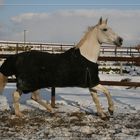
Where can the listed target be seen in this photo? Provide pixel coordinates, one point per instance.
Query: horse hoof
(54, 114)
(103, 116)
(110, 111)
(19, 114)
(49, 108)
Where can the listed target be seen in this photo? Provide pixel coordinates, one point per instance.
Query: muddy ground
(40, 125)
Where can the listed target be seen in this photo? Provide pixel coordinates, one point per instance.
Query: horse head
(106, 35)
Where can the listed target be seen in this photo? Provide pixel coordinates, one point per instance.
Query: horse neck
(90, 49)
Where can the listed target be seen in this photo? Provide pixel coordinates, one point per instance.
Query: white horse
(88, 50)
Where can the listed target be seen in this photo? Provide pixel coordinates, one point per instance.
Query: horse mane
(86, 35)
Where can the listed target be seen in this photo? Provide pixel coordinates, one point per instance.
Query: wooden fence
(17, 47)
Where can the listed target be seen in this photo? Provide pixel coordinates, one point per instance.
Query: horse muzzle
(119, 41)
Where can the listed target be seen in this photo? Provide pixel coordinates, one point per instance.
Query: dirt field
(40, 125)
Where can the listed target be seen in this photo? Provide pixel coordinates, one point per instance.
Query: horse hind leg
(3, 81)
(16, 105)
(35, 96)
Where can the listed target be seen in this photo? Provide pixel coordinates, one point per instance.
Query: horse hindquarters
(6, 69)
(3, 81)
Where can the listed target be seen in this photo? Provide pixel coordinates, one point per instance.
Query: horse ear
(106, 21)
(100, 21)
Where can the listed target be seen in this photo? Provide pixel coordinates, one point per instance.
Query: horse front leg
(103, 89)
(100, 112)
(16, 105)
(35, 96)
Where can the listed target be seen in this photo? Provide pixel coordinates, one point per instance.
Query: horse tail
(6, 69)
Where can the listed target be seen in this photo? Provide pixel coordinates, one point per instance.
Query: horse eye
(105, 29)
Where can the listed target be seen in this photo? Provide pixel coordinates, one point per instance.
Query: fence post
(130, 51)
(115, 51)
(53, 97)
(16, 48)
(121, 66)
(41, 49)
(61, 48)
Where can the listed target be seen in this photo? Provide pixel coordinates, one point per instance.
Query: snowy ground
(76, 117)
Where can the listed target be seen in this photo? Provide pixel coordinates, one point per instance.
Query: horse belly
(66, 75)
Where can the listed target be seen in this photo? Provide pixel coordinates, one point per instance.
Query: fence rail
(17, 47)
(128, 59)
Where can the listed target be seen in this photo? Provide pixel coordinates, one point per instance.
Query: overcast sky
(65, 21)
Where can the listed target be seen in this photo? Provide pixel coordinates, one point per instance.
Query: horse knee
(105, 90)
(92, 90)
(16, 96)
(35, 96)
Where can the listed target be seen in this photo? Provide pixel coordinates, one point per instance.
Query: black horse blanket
(35, 70)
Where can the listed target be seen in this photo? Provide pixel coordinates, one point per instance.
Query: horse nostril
(120, 39)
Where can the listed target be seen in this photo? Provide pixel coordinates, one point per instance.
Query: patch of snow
(116, 77)
(3, 103)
